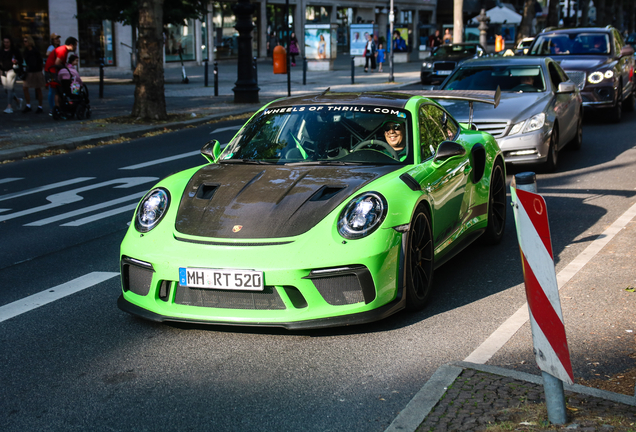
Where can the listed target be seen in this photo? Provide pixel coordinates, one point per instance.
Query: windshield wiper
(333, 163)
(245, 161)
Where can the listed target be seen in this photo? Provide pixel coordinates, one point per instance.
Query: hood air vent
(207, 191)
(326, 192)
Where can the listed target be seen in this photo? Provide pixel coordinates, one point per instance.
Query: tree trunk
(553, 14)
(150, 101)
(600, 13)
(525, 29)
(458, 21)
(585, 13)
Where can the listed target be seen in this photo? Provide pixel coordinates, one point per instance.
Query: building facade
(214, 36)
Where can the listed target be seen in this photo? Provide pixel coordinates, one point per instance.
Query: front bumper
(357, 282)
(599, 97)
(528, 148)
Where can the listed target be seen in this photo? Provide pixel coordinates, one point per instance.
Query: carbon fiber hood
(266, 201)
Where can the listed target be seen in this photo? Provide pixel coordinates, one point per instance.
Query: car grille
(268, 299)
(577, 77)
(340, 290)
(496, 129)
(447, 66)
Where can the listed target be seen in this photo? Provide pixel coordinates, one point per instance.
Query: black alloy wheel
(553, 151)
(496, 206)
(577, 141)
(616, 112)
(419, 260)
(630, 102)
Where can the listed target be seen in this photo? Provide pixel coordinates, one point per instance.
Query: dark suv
(598, 61)
(445, 59)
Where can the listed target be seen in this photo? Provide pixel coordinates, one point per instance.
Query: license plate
(227, 279)
(444, 72)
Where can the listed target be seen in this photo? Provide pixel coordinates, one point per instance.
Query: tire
(616, 112)
(577, 141)
(553, 151)
(496, 206)
(419, 260)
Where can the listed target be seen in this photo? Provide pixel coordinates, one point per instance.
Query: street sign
(542, 291)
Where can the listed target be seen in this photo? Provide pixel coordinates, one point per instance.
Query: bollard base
(554, 399)
(246, 94)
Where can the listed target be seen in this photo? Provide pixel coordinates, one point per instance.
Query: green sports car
(324, 210)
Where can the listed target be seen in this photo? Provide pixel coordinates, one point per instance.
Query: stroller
(74, 101)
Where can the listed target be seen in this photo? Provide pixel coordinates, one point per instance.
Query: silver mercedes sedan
(540, 110)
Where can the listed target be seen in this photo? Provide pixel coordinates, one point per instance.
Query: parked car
(597, 61)
(310, 218)
(445, 59)
(540, 109)
(523, 46)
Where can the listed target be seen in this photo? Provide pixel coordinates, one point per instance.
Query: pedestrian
(55, 42)
(10, 62)
(271, 44)
(435, 40)
(56, 61)
(369, 54)
(381, 52)
(448, 38)
(294, 50)
(34, 77)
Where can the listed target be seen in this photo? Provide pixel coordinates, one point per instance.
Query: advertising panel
(318, 40)
(358, 36)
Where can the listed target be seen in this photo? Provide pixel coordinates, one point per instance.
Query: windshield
(572, 43)
(507, 78)
(455, 50)
(323, 134)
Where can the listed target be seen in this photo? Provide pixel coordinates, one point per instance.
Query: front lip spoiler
(339, 321)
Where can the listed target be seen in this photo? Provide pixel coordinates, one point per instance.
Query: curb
(410, 418)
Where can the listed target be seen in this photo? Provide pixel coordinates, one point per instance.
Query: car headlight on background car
(534, 123)
(427, 65)
(598, 76)
(152, 209)
(362, 216)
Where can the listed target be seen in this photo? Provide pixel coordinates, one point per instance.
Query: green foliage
(126, 11)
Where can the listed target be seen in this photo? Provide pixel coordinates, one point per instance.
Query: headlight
(608, 74)
(362, 216)
(152, 209)
(534, 123)
(595, 77)
(427, 65)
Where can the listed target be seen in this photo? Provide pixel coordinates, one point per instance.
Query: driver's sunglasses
(390, 127)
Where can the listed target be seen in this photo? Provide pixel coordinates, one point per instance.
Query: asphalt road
(79, 363)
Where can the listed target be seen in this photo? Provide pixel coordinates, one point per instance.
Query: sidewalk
(189, 104)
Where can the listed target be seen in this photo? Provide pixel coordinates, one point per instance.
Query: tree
(553, 13)
(525, 29)
(149, 16)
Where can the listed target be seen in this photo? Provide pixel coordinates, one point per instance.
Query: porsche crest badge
(237, 228)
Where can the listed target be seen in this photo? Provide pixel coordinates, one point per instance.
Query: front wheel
(419, 260)
(553, 151)
(577, 141)
(616, 112)
(496, 206)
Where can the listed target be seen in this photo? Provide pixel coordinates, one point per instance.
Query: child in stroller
(73, 94)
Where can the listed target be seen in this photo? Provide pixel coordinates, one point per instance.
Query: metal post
(353, 69)
(526, 181)
(554, 399)
(216, 78)
(101, 78)
(390, 41)
(304, 70)
(287, 57)
(205, 72)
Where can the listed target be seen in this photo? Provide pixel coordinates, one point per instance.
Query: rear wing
(470, 96)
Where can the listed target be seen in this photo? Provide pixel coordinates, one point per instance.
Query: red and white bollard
(542, 291)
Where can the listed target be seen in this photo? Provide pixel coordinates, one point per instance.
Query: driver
(394, 135)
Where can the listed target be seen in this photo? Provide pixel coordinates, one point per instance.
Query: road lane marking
(225, 129)
(42, 298)
(45, 188)
(162, 160)
(10, 179)
(68, 197)
(502, 335)
(88, 209)
(102, 215)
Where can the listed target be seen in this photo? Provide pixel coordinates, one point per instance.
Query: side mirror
(211, 150)
(566, 87)
(627, 50)
(447, 150)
